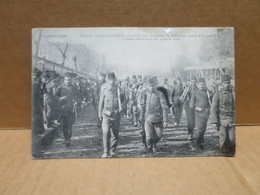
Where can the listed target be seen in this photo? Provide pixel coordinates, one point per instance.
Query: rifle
(184, 94)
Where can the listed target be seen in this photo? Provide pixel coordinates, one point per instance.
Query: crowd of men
(140, 99)
(58, 100)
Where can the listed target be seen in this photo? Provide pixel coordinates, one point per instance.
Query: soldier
(177, 105)
(200, 102)
(223, 116)
(166, 85)
(125, 86)
(131, 106)
(67, 95)
(139, 79)
(155, 111)
(101, 81)
(140, 100)
(190, 113)
(109, 111)
(37, 103)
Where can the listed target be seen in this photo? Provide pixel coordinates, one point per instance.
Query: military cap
(201, 80)
(225, 77)
(194, 78)
(165, 79)
(127, 78)
(152, 80)
(111, 75)
(67, 74)
(133, 76)
(139, 76)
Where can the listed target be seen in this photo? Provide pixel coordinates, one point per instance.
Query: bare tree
(36, 40)
(75, 62)
(63, 51)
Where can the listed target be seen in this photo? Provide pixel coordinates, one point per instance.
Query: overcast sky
(136, 56)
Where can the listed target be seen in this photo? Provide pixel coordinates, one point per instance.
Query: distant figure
(177, 105)
(190, 112)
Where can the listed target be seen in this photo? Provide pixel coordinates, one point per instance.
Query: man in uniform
(67, 95)
(166, 85)
(223, 116)
(125, 86)
(50, 101)
(177, 105)
(131, 106)
(200, 103)
(37, 103)
(101, 81)
(155, 111)
(139, 79)
(109, 112)
(190, 113)
(140, 100)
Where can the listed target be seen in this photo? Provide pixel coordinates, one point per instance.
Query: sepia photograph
(133, 92)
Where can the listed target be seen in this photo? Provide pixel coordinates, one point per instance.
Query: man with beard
(200, 103)
(190, 113)
(67, 95)
(223, 116)
(155, 111)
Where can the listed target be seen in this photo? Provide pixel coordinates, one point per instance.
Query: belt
(227, 113)
(199, 109)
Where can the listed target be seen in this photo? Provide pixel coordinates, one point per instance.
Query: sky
(136, 50)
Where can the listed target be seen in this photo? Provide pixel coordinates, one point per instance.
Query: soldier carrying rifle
(109, 113)
(190, 113)
(155, 112)
(200, 102)
(223, 116)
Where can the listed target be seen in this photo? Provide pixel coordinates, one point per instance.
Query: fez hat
(201, 80)
(152, 80)
(127, 78)
(225, 77)
(194, 78)
(139, 76)
(111, 75)
(165, 79)
(133, 76)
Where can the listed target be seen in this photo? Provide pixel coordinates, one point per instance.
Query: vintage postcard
(132, 92)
